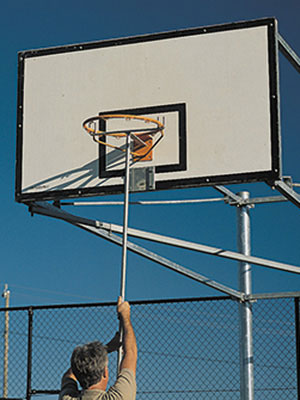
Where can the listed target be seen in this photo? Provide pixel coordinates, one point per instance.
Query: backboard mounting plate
(141, 179)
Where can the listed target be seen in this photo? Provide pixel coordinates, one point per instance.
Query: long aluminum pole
(125, 218)
(125, 233)
(245, 308)
(6, 295)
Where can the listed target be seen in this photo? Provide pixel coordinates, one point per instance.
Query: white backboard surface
(215, 88)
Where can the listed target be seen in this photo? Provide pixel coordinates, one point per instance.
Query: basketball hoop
(142, 137)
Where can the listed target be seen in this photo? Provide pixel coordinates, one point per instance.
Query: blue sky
(46, 261)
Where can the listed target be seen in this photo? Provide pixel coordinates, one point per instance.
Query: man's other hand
(114, 344)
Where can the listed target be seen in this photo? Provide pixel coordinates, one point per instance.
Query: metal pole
(29, 353)
(245, 308)
(125, 233)
(125, 218)
(6, 295)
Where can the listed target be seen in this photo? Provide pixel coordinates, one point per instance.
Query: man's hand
(114, 344)
(69, 374)
(123, 309)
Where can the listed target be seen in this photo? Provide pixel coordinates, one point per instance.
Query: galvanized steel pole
(125, 233)
(245, 308)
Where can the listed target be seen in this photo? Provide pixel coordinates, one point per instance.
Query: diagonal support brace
(47, 209)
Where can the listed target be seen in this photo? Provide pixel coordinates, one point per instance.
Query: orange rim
(98, 134)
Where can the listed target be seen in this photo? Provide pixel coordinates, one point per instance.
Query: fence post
(29, 353)
(6, 294)
(245, 308)
(297, 332)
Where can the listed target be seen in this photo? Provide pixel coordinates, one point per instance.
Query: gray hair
(88, 363)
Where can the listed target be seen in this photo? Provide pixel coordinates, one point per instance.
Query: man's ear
(105, 374)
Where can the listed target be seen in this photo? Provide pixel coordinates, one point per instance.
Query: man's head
(88, 363)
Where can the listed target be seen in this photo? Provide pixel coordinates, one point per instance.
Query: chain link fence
(187, 348)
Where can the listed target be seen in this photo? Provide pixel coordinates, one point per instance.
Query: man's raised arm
(129, 359)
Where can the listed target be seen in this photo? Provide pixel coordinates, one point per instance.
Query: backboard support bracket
(288, 52)
(285, 187)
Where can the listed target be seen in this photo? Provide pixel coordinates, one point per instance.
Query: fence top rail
(103, 304)
(151, 301)
(280, 295)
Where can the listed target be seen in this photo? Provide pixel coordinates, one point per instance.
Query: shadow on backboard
(81, 177)
(75, 178)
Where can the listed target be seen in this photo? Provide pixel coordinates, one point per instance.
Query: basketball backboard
(215, 88)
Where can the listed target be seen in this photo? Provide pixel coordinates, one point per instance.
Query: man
(89, 366)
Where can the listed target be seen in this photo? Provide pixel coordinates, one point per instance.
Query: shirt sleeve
(68, 388)
(124, 387)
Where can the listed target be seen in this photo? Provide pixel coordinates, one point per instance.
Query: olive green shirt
(123, 389)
